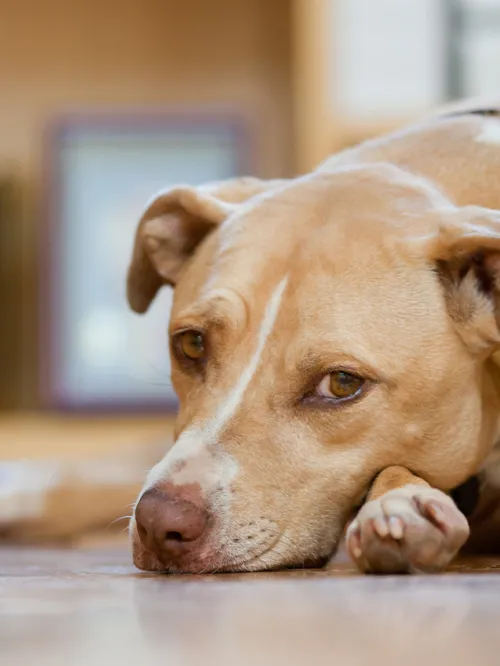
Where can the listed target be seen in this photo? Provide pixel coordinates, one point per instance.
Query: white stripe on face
(194, 442)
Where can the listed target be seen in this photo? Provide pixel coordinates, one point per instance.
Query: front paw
(408, 530)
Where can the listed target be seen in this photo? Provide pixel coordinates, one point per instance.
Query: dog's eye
(190, 344)
(340, 385)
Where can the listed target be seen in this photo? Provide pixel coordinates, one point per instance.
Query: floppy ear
(466, 252)
(174, 223)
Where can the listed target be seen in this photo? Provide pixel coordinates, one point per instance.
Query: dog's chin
(148, 562)
(270, 560)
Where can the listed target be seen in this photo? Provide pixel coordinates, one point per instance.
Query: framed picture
(101, 169)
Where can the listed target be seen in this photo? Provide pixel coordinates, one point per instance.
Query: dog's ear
(466, 254)
(174, 223)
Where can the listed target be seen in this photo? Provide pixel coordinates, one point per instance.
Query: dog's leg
(405, 526)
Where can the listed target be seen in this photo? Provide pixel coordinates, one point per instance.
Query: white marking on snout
(229, 407)
(192, 447)
(490, 133)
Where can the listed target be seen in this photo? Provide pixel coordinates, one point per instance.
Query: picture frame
(100, 170)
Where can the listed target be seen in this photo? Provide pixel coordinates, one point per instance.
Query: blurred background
(102, 103)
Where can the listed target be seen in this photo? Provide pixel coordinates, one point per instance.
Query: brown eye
(344, 384)
(191, 344)
(340, 385)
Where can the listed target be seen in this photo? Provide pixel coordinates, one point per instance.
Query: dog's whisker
(117, 520)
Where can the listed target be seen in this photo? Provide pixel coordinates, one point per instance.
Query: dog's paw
(408, 530)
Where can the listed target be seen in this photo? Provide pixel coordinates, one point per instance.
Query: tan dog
(325, 329)
(328, 334)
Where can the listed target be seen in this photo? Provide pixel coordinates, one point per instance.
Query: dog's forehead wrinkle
(218, 304)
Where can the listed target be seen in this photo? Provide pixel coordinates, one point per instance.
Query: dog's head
(322, 329)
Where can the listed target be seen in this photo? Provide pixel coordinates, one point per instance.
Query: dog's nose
(167, 523)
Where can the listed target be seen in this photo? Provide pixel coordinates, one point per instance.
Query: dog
(333, 341)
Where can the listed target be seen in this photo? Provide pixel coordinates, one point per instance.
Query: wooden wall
(61, 55)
